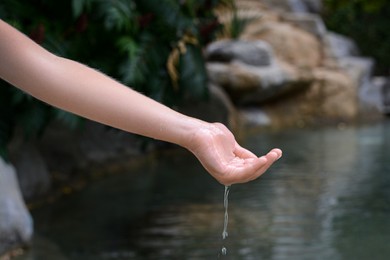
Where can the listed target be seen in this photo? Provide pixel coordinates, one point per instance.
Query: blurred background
(309, 76)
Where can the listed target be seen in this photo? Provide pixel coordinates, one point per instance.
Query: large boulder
(289, 43)
(247, 81)
(331, 97)
(16, 225)
(334, 94)
(360, 70)
(340, 46)
(311, 23)
(248, 84)
(337, 47)
(256, 53)
(314, 6)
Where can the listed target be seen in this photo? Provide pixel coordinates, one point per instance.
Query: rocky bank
(287, 69)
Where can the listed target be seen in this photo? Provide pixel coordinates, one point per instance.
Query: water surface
(328, 198)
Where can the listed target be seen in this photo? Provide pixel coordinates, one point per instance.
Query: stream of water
(327, 198)
(225, 219)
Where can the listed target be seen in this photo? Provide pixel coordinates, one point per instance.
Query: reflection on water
(328, 198)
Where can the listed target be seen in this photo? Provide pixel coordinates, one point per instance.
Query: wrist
(190, 134)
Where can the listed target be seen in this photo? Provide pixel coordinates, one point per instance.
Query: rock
(381, 85)
(386, 96)
(33, 175)
(340, 46)
(295, 6)
(336, 47)
(256, 53)
(314, 6)
(337, 94)
(360, 70)
(290, 44)
(253, 118)
(314, 75)
(16, 225)
(256, 11)
(331, 97)
(246, 83)
(249, 84)
(312, 23)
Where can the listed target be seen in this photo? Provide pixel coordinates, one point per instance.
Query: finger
(244, 172)
(271, 157)
(278, 152)
(259, 166)
(251, 169)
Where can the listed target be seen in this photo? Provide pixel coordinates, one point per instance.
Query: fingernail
(277, 155)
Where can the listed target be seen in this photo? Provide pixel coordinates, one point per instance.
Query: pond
(327, 198)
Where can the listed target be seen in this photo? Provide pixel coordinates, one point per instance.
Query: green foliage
(129, 40)
(190, 76)
(365, 21)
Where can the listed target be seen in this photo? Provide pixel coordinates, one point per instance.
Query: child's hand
(216, 148)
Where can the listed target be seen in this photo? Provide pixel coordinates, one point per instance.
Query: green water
(327, 198)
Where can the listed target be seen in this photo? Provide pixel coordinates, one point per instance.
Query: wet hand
(216, 148)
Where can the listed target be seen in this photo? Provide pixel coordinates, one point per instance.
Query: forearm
(79, 89)
(84, 91)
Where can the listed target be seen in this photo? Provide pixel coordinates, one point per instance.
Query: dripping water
(226, 219)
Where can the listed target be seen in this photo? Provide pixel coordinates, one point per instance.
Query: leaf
(128, 45)
(117, 14)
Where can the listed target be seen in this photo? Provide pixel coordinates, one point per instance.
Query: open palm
(229, 163)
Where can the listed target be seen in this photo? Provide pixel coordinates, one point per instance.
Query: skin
(79, 89)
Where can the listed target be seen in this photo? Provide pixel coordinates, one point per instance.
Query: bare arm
(79, 89)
